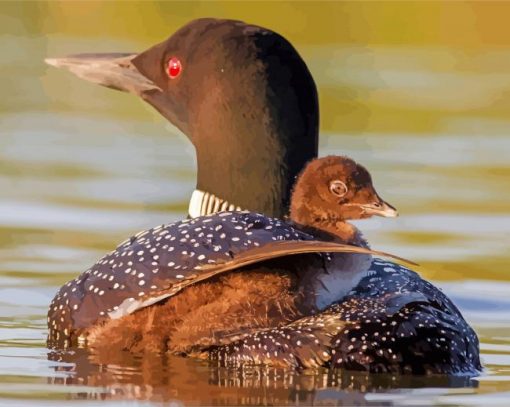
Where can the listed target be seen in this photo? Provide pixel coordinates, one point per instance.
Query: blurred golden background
(380, 66)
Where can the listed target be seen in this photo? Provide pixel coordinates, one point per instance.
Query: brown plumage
(205, 313)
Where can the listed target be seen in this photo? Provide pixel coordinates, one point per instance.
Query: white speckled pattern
(392, 321)
(157, 263)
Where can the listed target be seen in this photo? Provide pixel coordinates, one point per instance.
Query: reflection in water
(154, 377)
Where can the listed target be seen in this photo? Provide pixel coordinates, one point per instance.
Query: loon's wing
(287, 248)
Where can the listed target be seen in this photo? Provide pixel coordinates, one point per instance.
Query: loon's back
(392, 321)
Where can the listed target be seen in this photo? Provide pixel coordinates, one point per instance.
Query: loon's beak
(118, 71)
(380, 208)
(113, 70)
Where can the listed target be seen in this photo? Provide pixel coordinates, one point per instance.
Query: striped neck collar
(204, 203)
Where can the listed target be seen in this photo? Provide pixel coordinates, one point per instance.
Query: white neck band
(204, 203)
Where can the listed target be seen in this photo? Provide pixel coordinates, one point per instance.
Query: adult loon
(248, 103)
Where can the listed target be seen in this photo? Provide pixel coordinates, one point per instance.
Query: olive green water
(81, 168)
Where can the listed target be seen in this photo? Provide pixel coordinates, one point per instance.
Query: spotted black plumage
(392, 321)
(157, 263)
(149, 263)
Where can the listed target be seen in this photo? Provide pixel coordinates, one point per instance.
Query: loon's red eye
(173, 67)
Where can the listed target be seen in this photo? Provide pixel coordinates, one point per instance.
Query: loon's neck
(259, 180)
(342, 231)
(327, 228)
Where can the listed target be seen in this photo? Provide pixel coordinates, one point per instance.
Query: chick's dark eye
(338, 188)
(173, 67)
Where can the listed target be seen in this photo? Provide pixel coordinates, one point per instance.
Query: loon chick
(144, 272)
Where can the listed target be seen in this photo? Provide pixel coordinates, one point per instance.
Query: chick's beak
(380, 208)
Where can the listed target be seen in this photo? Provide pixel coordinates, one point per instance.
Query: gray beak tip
(387, 211)
(391, 214)
(381, 209)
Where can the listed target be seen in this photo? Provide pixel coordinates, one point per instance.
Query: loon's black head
(242, 95)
